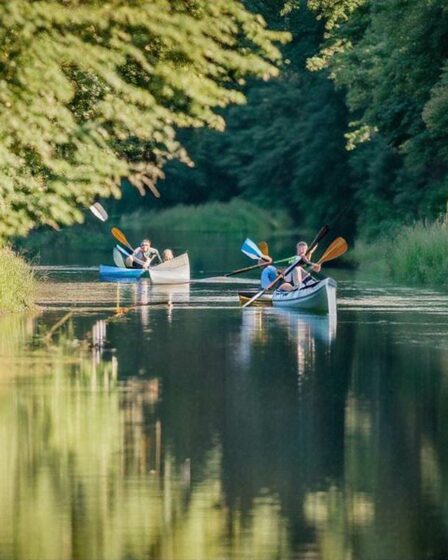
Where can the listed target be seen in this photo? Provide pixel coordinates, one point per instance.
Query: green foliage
(235, 216)
(415, 254)
(284, 149)
(93, 92)
(391, 58)
(17, 283)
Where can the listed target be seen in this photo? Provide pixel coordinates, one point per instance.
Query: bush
(417, 254)
(17, 282)
(236, 216)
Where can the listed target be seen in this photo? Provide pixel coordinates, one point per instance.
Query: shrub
(17, 282)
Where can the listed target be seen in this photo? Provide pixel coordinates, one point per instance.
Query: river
(141, 422)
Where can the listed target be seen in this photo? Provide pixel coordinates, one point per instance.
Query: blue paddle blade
(250, 249)
(122, 250)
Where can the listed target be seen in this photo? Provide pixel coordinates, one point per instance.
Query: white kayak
(319, 297)
(175, 271)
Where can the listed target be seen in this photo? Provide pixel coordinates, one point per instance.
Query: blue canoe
(111, 273)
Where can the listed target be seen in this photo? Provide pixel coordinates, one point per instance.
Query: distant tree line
(357, 119)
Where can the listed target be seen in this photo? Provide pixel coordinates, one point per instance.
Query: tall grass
(235, 216)
(417, 254)
(17, 282)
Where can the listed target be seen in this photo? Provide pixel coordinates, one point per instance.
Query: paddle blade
(334, 250)
(118, 258)
(123, 251)
(264, 247)
(250, 249)
(98, 211)
(120, 236)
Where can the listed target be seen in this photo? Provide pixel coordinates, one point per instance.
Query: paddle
(121, 237)
(264, 247)
(98, 211)
(322, 233)
(250, 249)
(122, 250)
(255, 252)
(118, 258)
(260, 265)
(337, 248)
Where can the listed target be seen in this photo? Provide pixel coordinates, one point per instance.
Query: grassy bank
(17, 283)
(236, 216)
(417, 254)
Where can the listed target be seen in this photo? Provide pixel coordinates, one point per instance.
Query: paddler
(143, 255)
(299, 276)
(269, 272)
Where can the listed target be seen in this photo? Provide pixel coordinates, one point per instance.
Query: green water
(198, 431)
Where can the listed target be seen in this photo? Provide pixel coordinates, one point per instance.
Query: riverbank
(17, 283)
(416, 254)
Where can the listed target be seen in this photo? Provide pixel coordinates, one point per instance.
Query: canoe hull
(264, 301)
(320, 298)
(113, 273)
(175, 271)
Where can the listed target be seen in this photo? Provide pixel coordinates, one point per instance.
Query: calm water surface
(189, 429)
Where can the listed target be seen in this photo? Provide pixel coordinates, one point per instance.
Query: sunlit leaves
(78, 79)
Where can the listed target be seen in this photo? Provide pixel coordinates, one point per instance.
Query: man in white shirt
(143, 255)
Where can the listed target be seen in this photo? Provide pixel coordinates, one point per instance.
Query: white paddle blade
(250, 249)
(98, 211)
(118, 258)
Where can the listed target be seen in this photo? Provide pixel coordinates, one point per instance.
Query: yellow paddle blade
(334, 250)
(264, 248)
(120, 236)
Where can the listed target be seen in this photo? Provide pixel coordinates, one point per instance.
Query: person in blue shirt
(268, 274)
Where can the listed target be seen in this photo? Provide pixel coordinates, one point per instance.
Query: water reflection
(177, 432)
(304, 332)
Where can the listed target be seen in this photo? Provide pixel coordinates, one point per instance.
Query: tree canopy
(358, 118)
(92, 92)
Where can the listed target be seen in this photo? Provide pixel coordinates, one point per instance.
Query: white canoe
(320, 297)
(175, 271)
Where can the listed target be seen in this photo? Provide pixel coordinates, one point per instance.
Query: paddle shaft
(322, 233)
(254, 266)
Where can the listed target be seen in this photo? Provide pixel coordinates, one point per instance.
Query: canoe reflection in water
(170, 294)
(305, 331)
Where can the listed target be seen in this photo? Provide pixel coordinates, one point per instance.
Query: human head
(301, 248)
(145, 245)
(167, 255)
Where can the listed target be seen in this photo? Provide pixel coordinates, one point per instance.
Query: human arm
(155, 253)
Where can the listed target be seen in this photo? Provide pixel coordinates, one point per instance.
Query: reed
(17, 282)
(417, 254)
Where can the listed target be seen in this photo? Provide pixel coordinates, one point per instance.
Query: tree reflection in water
(210, 433)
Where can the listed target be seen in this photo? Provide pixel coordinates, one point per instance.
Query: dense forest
(318, 107)
(357, 119)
